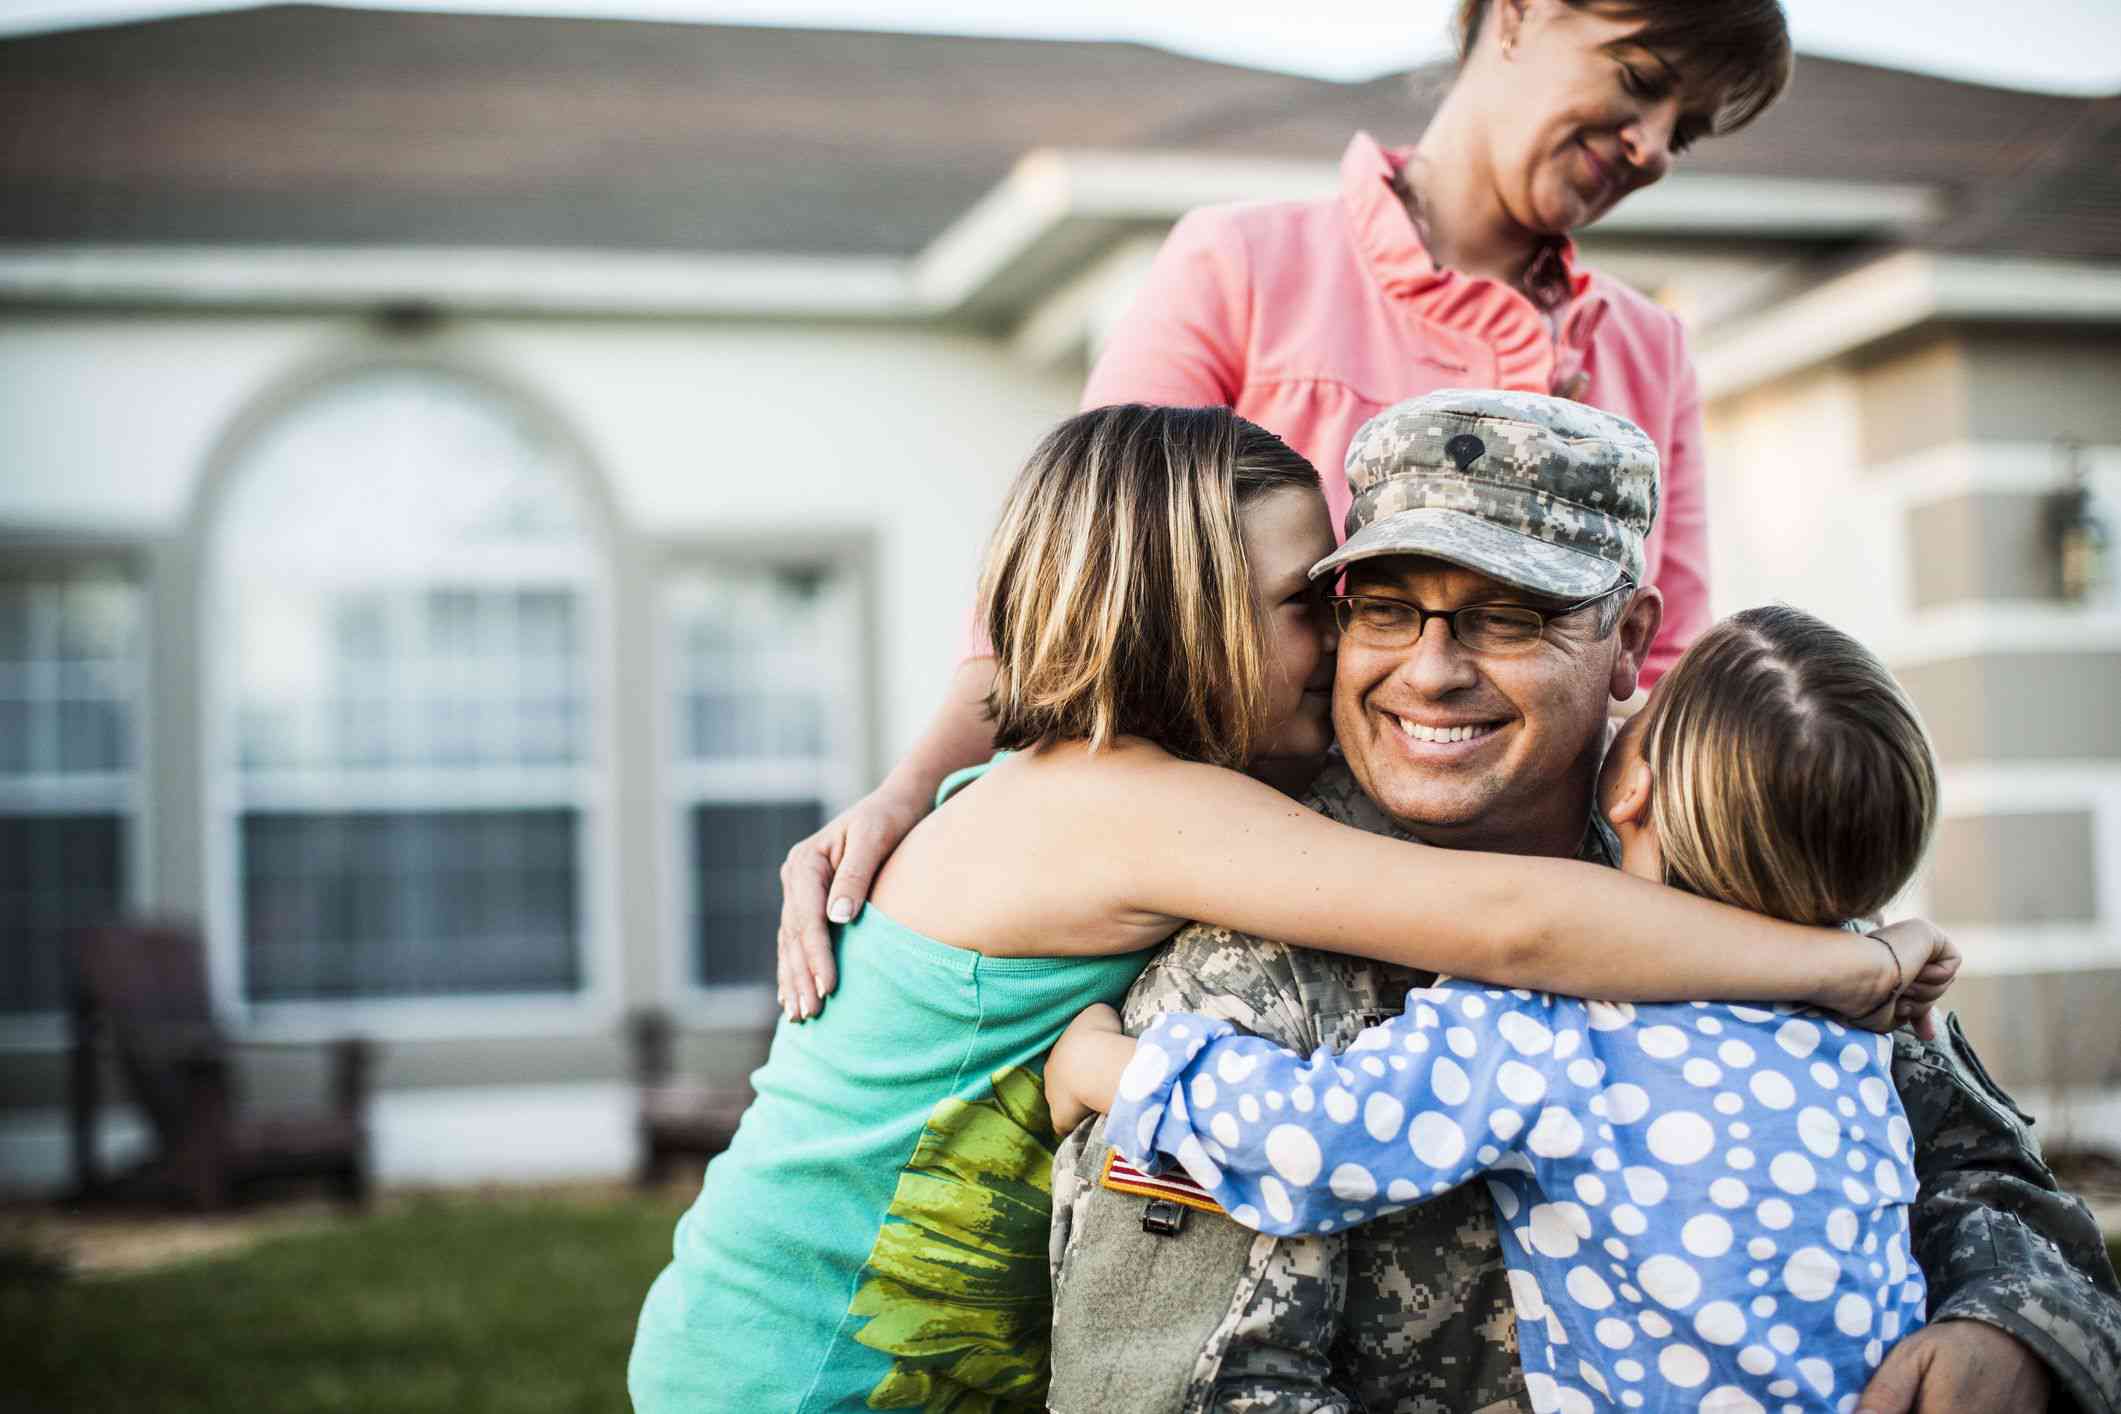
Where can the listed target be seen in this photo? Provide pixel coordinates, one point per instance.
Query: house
(474, 489)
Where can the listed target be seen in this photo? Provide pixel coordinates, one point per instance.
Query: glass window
(409, 591)
(767, 730)
(70, 668)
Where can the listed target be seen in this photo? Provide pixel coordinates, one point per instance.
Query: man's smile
(1434, 737)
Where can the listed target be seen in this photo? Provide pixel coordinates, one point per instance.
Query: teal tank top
(875, 1235)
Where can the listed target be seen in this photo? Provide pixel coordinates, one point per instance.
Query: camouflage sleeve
(1230, 976)
(1213, 1317)
(1997, 1240)
(1204, 969)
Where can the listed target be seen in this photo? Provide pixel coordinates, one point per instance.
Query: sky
(2067, 46)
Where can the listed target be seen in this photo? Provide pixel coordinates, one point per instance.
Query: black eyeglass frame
(1342, 614)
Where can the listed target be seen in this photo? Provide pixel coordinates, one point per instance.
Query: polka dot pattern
(1703, 1206)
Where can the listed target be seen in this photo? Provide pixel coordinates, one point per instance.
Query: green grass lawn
(516, 1304)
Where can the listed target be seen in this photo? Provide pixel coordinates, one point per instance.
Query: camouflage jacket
(1411, 1314)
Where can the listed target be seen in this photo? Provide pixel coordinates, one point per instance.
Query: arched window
(407, 599)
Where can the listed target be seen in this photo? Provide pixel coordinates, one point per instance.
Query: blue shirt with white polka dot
(1703, 1207)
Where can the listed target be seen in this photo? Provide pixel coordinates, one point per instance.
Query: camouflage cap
(1542, 493)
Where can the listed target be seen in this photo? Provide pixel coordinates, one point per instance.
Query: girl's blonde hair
(1116, 591)
(1790, 774)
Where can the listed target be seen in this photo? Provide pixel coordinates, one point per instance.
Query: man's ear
(1637, 631)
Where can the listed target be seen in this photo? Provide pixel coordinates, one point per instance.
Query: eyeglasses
(1483, 628)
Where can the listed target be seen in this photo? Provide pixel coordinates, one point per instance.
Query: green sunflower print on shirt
(956, 1287)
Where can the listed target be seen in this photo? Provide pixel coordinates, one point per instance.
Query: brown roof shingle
(307, 124)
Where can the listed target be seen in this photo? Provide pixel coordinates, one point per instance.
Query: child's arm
(1416, 1105)
(1188, 841)
(1082, 1073)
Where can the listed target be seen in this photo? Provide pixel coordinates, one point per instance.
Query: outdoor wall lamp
(2080, 535)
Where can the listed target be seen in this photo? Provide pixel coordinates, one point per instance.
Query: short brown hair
(1789, 772)
(1117, 593)
(1740, 47)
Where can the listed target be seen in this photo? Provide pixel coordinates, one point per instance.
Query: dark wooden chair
(680, 1119)
(140, 995)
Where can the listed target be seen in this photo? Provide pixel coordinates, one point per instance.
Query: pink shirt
(1308, 317)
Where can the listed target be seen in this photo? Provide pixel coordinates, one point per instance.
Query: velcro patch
(1175, 1184)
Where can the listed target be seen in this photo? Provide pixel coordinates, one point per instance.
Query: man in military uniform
(1466, 498)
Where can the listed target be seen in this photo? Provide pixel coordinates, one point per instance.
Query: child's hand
(1082, 1073)
(1928, 961)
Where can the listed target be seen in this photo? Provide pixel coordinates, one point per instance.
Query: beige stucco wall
(1904, 495)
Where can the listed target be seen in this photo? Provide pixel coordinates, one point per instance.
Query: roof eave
(1056, 216)
(1893, 295)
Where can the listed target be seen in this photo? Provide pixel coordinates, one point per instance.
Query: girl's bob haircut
(1789, 772)
(1116, 590)
(1739, 48)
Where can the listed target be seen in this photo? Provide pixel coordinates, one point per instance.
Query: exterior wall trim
(565, 282)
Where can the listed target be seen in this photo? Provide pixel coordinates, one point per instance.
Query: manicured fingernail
(842, 909)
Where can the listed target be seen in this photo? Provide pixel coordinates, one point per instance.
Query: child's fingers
(1922, 1019)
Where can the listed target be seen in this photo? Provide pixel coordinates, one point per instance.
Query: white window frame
(843, 564)
(595, 1003)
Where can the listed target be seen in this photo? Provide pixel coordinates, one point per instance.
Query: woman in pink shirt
(1447, 264)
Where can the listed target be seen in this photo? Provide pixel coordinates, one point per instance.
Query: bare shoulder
(1128, 777)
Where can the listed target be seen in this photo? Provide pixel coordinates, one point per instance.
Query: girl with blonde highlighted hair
(876, 1234)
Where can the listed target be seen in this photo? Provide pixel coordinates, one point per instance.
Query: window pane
(14, 621)
(395, 904)
(736, 859)
(96, 620)
(392, 474)
(445, 677)
(753, 679)
(91, 736)
(57, 873)
(68, 653)
(16, 732)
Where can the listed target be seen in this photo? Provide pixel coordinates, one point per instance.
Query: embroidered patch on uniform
(1176, 1185)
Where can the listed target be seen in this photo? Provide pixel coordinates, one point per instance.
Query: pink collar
(1498, 315)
